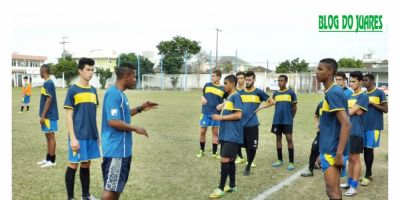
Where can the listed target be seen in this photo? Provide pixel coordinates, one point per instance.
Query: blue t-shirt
(374, 118)
(251, 101)
(329, 125)
(357, 122)
(215, 95)
(84, 101)
(347, 92)
(232, 131)
(115, 143)
(283, 107)
(49, 89)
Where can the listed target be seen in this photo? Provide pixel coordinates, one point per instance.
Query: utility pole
(63, 42)
(216, 52)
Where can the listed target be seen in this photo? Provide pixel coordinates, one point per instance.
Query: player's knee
(73, 165)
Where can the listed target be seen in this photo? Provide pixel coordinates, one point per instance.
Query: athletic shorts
(115, 173)
(49, 126)
(328, 160)
(356, 144)
(372, 138)
(206, 121)
(26, 100)
(88, 150)
(250, 137)
(282, 128)
(229, 149)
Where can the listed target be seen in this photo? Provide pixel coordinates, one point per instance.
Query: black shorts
(115, 173)
(282, 128)
(250, 137)
(356, 144)
(229, 149)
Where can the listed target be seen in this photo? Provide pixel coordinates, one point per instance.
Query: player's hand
(216, 117)
(141, 131)
(220, 106)
(149, 105)
(359, 112)
(339, 161)
(42, 121)
(203, 100)
(74, 145)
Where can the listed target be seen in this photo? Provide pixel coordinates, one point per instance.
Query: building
(103, 59)
(26, 65)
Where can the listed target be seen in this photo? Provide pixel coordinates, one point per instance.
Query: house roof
(16, 56)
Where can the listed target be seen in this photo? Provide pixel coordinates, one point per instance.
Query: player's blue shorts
(27, 99)
(206, 121)
(372, 138)
(88, 150)
(49, 126)
(328, 160)
(115, 173)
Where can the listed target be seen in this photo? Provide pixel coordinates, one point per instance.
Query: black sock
(53, 158)
(313, 157)
(224, 175)
(240, 153)
(291, 155)
(368, 159)
(232, 174)
(202, 144)
(48, 157)
(251, 153)
(70, 182)
(84, 175)
(27, 108)
(214, 148)
(279, 150)
(22, 108)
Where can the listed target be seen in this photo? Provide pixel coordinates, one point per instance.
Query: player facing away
(252, 97)
(26, 94)
(48, 113)
(285, 110)
(340, 79)
(240, 86)
(213, 94)
(373, 124)
(81, 105)
(334, 126)
(358, 106)
(116, 132)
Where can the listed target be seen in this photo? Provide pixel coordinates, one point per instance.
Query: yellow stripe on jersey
(85, 97)
(215, 91)
(283, 97)
(326, 107)
(375, 100)
(351, 102)
(329, 158)
(44, 92)
(250, 99)
(229, 106)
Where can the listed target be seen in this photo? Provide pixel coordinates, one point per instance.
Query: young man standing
(48, 113)
(230, 136)
(334, 128)
(213, 95)
(373, 124)
(285, 110)
(358, 104)
(81, 105)
(116, 132)
(26, 94)
(240, 86)
(340, 79)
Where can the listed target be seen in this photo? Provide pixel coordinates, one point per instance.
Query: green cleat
(252, 164)
(364, 181)
(200, 154)
(278, 163)
(239, 160)
(218, 193)
(229, 189)
(290, 166)
(216, 155)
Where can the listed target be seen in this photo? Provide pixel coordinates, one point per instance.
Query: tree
(226, 66)
(196, 69)
(68, 66)
(349, 63)
(293, 66)
(103, 75)
(146, 66)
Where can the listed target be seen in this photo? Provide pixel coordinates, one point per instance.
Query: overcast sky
(259, 31)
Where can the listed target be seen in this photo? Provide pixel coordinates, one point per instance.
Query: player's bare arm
(45, 109)
(234, 116)
(70, 126)
(344, 134)
(383, 107)
(120, 125)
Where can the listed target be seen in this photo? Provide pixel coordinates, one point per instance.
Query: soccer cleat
(344, 186)
(91, 197)
(48, 164)
(218, 193)
(290, 166)
(308, 173)
(229, 189)
(239, 160)
(246, 172)
(252, 164)
(200, 154)
(350, 192)
(42, 162)
(364, 181)
(278, 163)
(216, 155)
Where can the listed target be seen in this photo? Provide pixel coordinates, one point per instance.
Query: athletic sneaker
(216, 155)
(218, 193)
(240, 160)
(278, 163)
(42, 162)
(350, 192)
(308, 173)
(229, 189)
(252, 164)
(246, 172)
(344, 186)
(364, 181)
(200, 154)
(48, 164)
(91, 197)
(290, 166)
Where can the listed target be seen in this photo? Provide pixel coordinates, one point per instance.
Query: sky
(257, 30)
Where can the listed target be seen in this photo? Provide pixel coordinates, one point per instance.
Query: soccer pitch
(165, 166)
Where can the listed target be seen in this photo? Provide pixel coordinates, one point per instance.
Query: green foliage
(349, 63)
(146, 66)
(292, 66)
(103, 75)
(226, 66)
(68, 66)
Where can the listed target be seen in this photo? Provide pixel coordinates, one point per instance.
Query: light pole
(63, 42)
(216, 52)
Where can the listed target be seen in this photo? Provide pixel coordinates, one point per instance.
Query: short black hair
(357, 74)
(240, 73)
(370, 77)
(231, 78)
(217, 72)
(341, 74)
(46, 68)
(283, 76)
(25, 77)
(85, 61)
(250, 73)
(124, 69)
(331, 63)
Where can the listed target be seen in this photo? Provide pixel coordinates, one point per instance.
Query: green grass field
(165, 165)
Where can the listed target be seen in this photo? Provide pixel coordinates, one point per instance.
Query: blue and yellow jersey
(347, 92)
(49, 90)
(357, 123)
(251, 101)
(318, 110)
(232, 131)
(215, 95)
(374, 118)
(283, 107)
(83, 101)
(329, 126)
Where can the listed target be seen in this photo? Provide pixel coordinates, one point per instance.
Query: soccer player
(230, 136)
(81, 105)
(334, 128)
(116, 132)
(213, 95)
(48, 113)
(373, 124)
(340, 79)
(26, 94)
(240, 86)
(285, 110)
(252, 97)
(358, 105)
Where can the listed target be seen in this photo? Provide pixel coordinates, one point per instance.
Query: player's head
(356, 80)
(282, 80)
(25, 79)
(230, 83)
(126, 74)
(240, 78)
(326, 69)
(340, 79)
(44, 71)
(86, 68)
(249, 79)
(369, 80)
(216, 76)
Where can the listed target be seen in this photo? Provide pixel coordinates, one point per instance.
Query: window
(13, 63)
